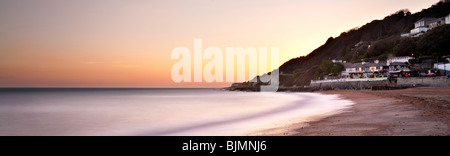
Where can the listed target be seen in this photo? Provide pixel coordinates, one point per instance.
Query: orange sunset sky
(128, 43)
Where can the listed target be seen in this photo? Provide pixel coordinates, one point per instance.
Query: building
(445, 67)
(398, 69)
(416, 32)
(348, 69)
(438, 22)
(425, 24)
(338, 61)
(425, 62)
(365, 70)
(405, 35)
(376, 70)
(402, 59)
(447, 19)
(420, 27)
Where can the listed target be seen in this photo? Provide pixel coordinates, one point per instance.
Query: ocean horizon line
(4, 89)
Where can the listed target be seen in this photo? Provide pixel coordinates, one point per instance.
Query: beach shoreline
(407, 112)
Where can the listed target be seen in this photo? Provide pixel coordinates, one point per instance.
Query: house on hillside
(438, 22)
(405, 35)
(421, 26)
(425, 24)
(447, 19)
(338, 61)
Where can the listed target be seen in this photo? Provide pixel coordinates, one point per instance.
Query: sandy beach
(410, 112)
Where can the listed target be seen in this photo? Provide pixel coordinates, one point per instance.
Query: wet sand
(410, 112)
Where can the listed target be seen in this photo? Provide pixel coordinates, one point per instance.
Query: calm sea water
(155, 111)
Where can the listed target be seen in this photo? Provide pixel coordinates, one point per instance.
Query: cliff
(375, 40)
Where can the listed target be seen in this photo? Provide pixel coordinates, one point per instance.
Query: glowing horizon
(112, 43)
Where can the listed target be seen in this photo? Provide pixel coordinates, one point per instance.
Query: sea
(156, 111)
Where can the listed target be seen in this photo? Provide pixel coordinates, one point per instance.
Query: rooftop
(398, 64)
(357, 65)
(427, 19)
(366, 65)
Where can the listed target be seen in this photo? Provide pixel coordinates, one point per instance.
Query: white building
(447, 19)
(421, 26)
(401, 59)
(337, 61)
(365, 70)
(419, 30)
(438, 22)
(442, 66)
(405, 35)
(424, 22)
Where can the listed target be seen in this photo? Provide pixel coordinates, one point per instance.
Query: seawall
(374, 84)
(399, 82)
(349, 84)
(425, 81)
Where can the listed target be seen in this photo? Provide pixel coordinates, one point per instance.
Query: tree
(325, 67)
(383, 46)
(405, 47)
(328, 67)
(435, 41)
(337, 68)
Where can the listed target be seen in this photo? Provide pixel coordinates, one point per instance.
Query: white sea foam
(157, 111)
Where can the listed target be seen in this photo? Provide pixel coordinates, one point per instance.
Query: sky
(118, 43)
